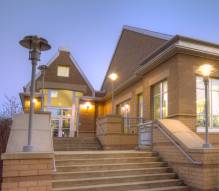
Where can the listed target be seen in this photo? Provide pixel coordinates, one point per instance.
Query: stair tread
(114, 177)
(110, 164)
(162, 189)
(83, 159)
(102, 152)
(117, 184)
(114, 170)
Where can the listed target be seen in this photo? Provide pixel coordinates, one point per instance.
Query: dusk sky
(90, 30)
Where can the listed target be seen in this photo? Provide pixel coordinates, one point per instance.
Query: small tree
(9, 108)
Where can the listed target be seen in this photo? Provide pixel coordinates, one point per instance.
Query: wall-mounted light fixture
(87, 105)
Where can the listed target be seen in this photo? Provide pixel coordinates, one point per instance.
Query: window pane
(164, 86)
(213, 102)
(200, 120)
(54, 111)
(140, 105)
(156, 89)
(63, 71)
(200, 102)
(156, 107)
(124, 108)
(199, 83)
(60, 98)
(165, 105)
(215, 85)
(160, 100)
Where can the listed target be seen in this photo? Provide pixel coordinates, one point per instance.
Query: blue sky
(90, 29)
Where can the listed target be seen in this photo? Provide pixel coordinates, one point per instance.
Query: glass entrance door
(61, 121)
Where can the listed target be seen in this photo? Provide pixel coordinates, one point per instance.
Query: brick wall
(27, 172)
(202, 176)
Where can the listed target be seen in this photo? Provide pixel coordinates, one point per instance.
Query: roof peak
(148, 32)
(63, 49)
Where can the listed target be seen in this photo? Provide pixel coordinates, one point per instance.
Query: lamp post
(205, 71)
(43, 69)
(35, 45)
(113, 77)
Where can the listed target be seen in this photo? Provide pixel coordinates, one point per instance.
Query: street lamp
(43, 69)
(113, 77)
(35, 45)
(205, 71)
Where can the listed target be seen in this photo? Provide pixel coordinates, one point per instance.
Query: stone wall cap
(25, 155)
(203, 150)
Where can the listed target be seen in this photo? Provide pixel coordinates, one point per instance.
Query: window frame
(138, 105)
(161, 95)
(210, 93)
(58, 71)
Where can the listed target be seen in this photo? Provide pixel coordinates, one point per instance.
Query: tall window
(63, 71)
(123, 108)
(160, 100)
(213, 102)
(140, 105)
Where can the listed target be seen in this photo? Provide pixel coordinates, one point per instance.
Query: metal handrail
(180, 148)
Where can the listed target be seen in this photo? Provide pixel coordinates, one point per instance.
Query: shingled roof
(133, 45)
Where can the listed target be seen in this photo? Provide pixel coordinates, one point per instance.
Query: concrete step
(124, 186)
(68, 168)
(169, 188)
(61, 162)
(102, 154)
(80, 148)
(111, 180)
(76, 144)
(110, 173)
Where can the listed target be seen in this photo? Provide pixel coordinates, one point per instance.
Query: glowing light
(113, 76)
(206, 69)
(87, 105)
(125, 108)
(34, 100)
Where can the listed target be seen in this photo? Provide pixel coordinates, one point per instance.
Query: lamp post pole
(206, 70)
(113, 77)
(43, 69)
(206, 84)
(35, 45)
(113, 97)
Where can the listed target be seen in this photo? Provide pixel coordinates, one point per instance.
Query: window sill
(210, 130)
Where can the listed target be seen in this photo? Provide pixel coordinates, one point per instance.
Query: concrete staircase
(76, 144)
(113, 171)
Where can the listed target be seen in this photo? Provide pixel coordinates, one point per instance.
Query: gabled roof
(133, 45)
(148, 32)
(74, 62)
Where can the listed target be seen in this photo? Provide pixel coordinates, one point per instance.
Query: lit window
(213, 92)
(63, 71)
(140, 105)
(54, 94)
(160, 100)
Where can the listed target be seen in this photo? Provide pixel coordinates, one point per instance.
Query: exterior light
(35, 45)
(34, 100)
(113, 77)
(125, 108)
(205, 70)
(87, 105)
